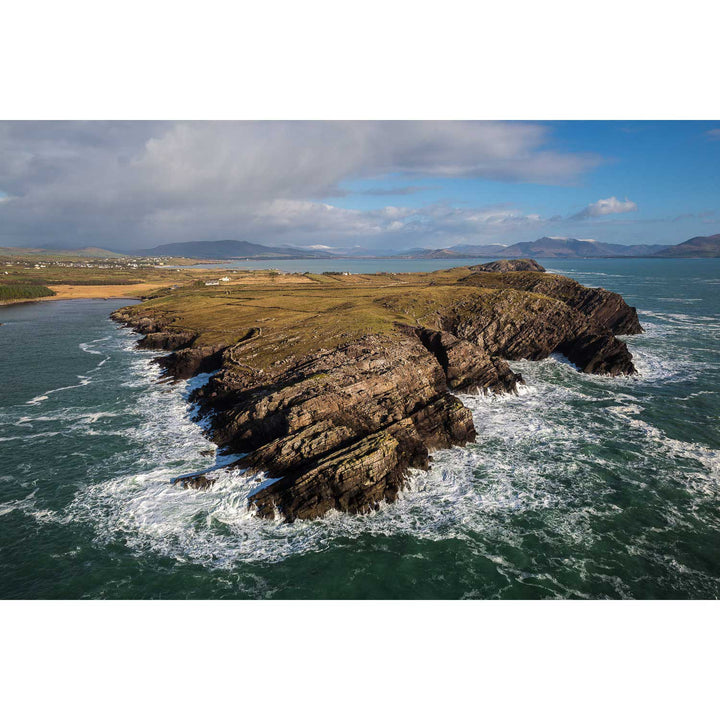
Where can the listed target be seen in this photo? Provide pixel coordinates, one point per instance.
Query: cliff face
(341, 425)
(341, 428)
(606, 308)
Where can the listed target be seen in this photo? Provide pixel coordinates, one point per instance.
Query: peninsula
(336, 385)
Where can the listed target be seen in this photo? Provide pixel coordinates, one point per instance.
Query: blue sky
(373, 184)
(670, 170)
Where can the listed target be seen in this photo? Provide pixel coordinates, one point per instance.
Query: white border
(369, 60)
(360, 659)
(224, 59)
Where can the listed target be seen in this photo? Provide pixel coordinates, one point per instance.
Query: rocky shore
(339, 404)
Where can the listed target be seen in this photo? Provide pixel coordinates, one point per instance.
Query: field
(77, 277)
(292, 315)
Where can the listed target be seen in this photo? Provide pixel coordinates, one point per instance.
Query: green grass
(24, 292)
(89, 276)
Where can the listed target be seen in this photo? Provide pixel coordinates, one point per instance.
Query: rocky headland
(336, 386)
(519, 265)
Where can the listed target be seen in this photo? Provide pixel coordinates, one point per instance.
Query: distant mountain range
(545, 247)
(699, 247)
(554, 247)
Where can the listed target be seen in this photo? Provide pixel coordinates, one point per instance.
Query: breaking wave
(536, 460)
(566, 479)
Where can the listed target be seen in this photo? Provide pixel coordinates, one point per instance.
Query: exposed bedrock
(467, 367)
(518, 265)
(353, 479)
(340, 429)
(185, 363)
(167, 340)
(604, 307)
(139, 323)
(524, 326)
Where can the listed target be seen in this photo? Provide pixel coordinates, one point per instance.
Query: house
(212, 282)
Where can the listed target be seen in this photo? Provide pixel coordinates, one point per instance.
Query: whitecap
(534, 457)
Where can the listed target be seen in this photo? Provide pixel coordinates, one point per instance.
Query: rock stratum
(337, 386)
(519, 265)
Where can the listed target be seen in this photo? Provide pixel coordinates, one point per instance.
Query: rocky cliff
(339, 416)
(519, 265)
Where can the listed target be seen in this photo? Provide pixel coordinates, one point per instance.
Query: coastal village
(43, 276)
(93, 263)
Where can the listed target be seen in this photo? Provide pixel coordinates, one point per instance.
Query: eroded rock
(340, 428)
(517, 265)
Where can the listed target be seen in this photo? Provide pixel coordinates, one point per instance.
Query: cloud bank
(137, 184)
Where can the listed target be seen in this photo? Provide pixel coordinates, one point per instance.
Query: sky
(385, 185)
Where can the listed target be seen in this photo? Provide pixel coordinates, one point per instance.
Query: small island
(336, 384)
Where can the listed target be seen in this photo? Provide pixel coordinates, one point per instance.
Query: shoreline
(21, 301)
(339, 418)
(93, 292)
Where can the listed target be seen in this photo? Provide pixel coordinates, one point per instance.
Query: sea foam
(548, 458)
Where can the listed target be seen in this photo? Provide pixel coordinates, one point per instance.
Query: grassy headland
(294, 315)
(338, 384)
(297, 314)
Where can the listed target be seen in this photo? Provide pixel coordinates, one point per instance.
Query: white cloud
(608, 206)
(138, 184)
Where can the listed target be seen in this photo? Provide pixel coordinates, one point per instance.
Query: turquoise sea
(579, 487)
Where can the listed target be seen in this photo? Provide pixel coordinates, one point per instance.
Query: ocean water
(579, 487)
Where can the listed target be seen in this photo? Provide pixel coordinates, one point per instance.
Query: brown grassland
(280, 316)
